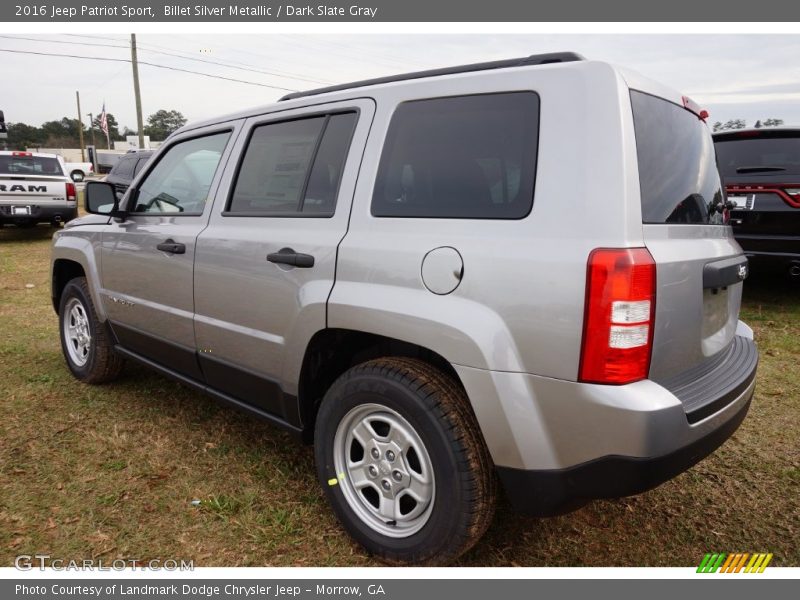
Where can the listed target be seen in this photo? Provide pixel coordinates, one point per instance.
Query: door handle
(172, 247)
(287, 256)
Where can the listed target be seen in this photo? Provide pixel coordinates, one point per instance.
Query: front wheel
(85, 342)
(403, 463)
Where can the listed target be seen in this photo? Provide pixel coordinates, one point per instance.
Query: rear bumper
(553, 492)
(559, 444)
(770, 250)
(40, 213)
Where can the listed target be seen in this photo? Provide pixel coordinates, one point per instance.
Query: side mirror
(100, 198)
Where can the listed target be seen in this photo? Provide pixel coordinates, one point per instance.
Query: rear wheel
(403, 463)
(85, 342)
(77, 176)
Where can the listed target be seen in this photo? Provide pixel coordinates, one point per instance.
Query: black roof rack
(534, 59)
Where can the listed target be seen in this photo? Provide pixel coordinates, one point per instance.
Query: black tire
(102, 363)
(438, 410)
(77, 176)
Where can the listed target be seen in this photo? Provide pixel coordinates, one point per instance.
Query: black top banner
(402, 10)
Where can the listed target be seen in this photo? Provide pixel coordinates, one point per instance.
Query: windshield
(29, 165)
(678, 173)
(765, 155)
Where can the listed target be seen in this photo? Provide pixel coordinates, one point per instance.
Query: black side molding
(722, 273)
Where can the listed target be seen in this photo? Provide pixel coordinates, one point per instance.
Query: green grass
(113, 470)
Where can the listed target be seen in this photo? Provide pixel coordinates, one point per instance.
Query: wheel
(402, 462)
(77, 176)
(85, 341)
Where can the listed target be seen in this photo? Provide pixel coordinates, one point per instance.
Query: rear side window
(124, 168)
(30, 165)
(678, 173)
(759, 156)
(464, 157)
(293, 167)
(139, 164)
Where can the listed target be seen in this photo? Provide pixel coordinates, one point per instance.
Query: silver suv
(516, 269)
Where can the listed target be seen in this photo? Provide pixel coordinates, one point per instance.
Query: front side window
(293, 167)
(464, 157)
(181, 180)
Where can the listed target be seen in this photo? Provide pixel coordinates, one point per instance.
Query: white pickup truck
(78, 171)
(34, 188)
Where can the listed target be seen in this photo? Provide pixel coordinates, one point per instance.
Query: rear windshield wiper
(758, 169)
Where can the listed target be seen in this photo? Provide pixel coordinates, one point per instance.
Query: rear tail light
(91, 168)
(618, 316)
(789, 194)
(21, 154)
(72, 196)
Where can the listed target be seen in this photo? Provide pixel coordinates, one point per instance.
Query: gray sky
(734, 76)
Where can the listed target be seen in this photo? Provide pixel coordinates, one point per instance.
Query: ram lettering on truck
(21, 188)
(34, 188)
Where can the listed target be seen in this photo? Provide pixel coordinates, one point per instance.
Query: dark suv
(761, 169)
(127, 167)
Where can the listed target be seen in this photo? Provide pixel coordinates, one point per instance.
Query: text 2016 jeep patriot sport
(516, 268)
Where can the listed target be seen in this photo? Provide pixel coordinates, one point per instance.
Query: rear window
(759, 156)
(678, 173)
(464, 157)
(30, 165)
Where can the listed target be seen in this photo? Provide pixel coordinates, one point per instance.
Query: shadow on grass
(12, 233)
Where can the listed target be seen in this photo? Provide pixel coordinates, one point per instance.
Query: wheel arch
(332, 351)
(74, 256)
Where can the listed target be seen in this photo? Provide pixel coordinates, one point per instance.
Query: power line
(143, 47)
(216, 43)
(149, 64)
(18, 37)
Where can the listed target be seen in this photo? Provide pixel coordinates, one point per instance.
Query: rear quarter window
(463, 157)
(678, 174)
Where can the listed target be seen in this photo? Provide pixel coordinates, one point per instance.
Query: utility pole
(136, 92)
(91, 126)
(80, 125)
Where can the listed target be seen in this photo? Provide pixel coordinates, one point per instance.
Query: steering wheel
(162, 200)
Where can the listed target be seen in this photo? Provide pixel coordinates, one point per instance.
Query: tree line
(741, 124)
(64, 133)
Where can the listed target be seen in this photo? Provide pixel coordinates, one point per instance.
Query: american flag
(104, 123)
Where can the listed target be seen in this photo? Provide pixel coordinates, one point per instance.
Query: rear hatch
(699, 266)
(761, 171)
(27, 180)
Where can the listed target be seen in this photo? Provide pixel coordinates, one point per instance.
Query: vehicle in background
(78, 171)
(34, 188)
(761, 171)
(127, 167)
